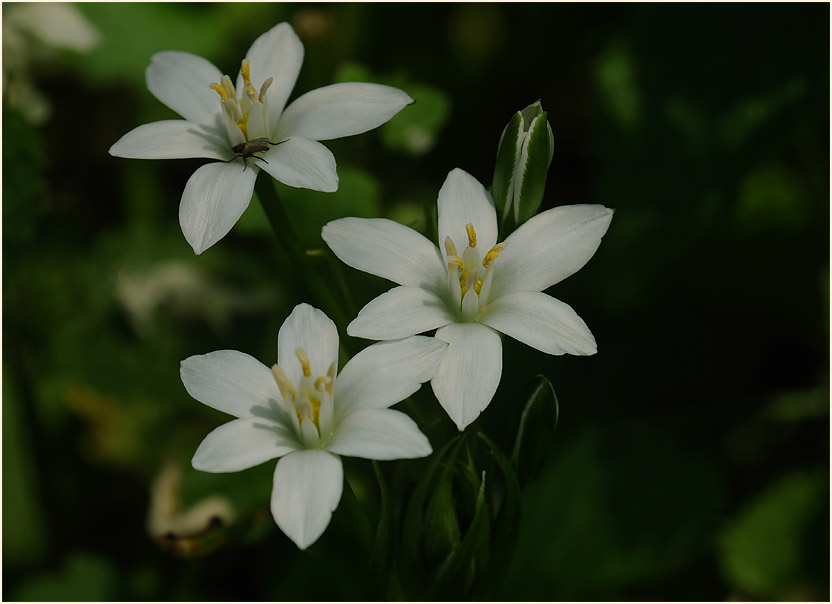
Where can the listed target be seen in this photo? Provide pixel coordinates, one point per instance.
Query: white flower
(221, 116)
(305, 414)
(475, 287)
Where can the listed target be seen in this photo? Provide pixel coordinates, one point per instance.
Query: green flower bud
(523, 159)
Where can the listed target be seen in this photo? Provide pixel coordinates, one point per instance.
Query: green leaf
(765, 550)
(457, 573)
(538, 423)
(506, 522)
(414, 525)
(506, 163)
(538, 157)
(416, 128)
(84, 577)
(442, 532)
(381, 555)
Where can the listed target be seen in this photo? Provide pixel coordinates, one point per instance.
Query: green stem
(305, 276)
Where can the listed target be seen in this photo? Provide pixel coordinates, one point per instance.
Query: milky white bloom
(304, 412)
(474, 287)
(221, 116)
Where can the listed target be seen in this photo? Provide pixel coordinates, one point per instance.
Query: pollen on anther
(472, 235)
(223, 94)
(304, 361)
(245, 70)
(322, 382)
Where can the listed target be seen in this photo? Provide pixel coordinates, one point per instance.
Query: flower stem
(306, 277)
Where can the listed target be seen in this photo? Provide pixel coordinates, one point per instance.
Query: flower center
(470, 275)
(309, 402)
(245, 118)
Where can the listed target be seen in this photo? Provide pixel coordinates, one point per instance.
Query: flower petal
(307, 489)
(182, 81)
(379, 434)
(387, 249)
(470, 372)
(310, 329)
(230, 381)
(172, 139)
(341, 110)
(403, 311)
(277, 54)
(549, 247)
(215, 197)
(463, 200)
(302, 163)
(383, 374)
(242, 444)
(542, 322)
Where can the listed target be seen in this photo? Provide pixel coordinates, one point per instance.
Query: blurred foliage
(691, 458)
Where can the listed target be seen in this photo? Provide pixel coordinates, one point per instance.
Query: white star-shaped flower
(474, 287)
(307, 414)
(248, 126)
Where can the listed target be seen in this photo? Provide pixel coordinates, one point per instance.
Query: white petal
(232, 382)
(385, 373)
(540, 321)
(302, 163)
(307, 489)
(310, 329)
(463, 200)
(277, 54)
(172, 139)
(242, 444)
(182, 81)
(379, 434)
(470, 372)
(215, 197)
(401, 312)
(341, 110)
(549, 247)
(387, 249)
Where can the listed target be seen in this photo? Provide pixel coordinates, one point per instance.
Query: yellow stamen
(287, 390)
(455, 261)
(263, 90)
(223, 94)
(322, 382)
(450, 248)
(245, 69)
(229, 87)
(304, 361)
(472, 235)
(330, 385)
(493, 254)
(478, 286)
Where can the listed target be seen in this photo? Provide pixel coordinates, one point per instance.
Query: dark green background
(691, 461)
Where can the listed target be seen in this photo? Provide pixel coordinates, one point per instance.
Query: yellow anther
(472, 235)
(330, 385)
(450, 248)
(263, 90)
(322, 382)
(250, 91)
(304, 361)
(478, 286)
(455, 261)
(223, 94)
(287, 390)
(229, 87)
(492, 254)
(245, 69)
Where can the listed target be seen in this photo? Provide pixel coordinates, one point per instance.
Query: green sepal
(535, 433)
(538, 157)
(506, 163)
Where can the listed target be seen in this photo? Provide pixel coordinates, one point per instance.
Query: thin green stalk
(305, 275)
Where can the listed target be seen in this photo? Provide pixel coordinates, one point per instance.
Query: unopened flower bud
(523, 159)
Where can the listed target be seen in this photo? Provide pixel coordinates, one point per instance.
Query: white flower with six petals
(218, 120)
(307, 414)
(473, 288)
